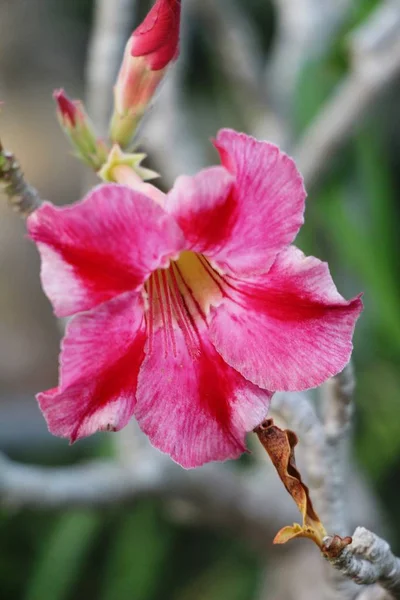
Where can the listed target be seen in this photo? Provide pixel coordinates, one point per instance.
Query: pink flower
(192, 311)
(152, 46)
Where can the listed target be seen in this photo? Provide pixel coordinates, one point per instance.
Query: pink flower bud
(157, 37)
(79, 129)
(151, 48)
(67, 109)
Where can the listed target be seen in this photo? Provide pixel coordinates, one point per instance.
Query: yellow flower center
(181, 296)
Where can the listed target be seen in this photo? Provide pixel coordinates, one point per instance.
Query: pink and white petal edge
(100, 359)
(102, 246)
(270, 197)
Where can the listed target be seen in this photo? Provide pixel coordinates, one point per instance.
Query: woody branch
(23, 197)
(375, 64)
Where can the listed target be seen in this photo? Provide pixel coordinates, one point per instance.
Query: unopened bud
(68, 110)
(151, 48)
(79, 129)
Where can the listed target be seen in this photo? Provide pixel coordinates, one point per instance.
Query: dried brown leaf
(280, 446)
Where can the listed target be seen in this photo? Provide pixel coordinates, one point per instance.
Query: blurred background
(322, 79)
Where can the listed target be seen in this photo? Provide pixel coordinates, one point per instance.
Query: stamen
(184, 292)
(167, 295)
(216, 277)
(191, 295)
(182, 314)
(224, 281)
(162, 313)
(150, 317)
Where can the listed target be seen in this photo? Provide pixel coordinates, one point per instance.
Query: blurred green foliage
(352, 221)
(61, 560)
(136, 553)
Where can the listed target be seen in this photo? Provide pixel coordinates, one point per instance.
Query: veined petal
(100, 359)
(289, 329)
(102, 246)
(269, 197)
(204, 207)
(193, 406)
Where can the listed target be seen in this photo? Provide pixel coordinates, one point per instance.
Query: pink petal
(289, 329)
(158, 36)
(269, 197)
(205, 210)
(99, 364)
(194, 406)
(102, 246)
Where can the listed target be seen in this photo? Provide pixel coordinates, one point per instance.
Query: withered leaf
(280, 446)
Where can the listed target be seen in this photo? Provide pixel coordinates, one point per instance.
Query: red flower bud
(152, 46)
(79, 129)
(67, 109)
(157, 37)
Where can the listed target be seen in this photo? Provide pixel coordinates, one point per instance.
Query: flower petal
(205, 209)
(100, 360)
(103, 246)
(194, 406)
(269, 197)
(158, 36)
(289, 329)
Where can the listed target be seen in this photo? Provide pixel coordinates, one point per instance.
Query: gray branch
(240, 59)
(375, 63)
(337, 396)
(324, 443)
(242, 501)
(110, 33)
(167, 131)
(304, 30)
(23, 197)
(369, 560)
